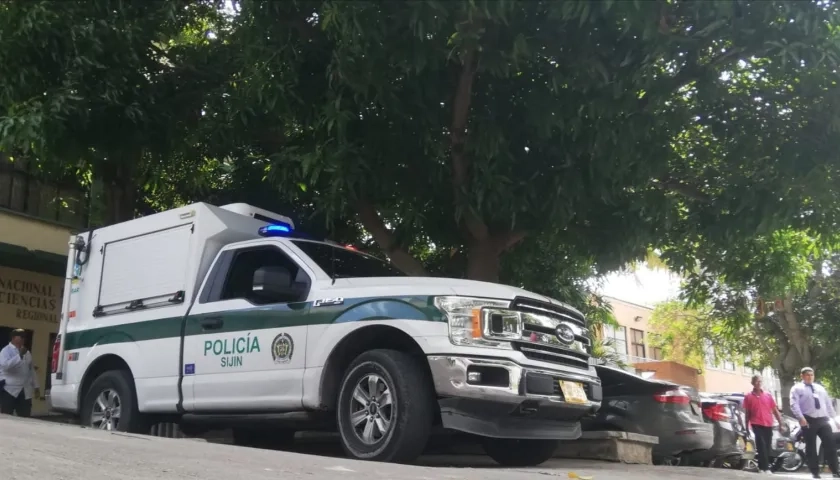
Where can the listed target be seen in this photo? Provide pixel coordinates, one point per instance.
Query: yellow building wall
(715, 380)
(631, 316)
(33, 234)
(31, 300)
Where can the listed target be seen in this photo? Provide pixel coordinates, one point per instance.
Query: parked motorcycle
(783, 454)
(747, 461)
(798, 460)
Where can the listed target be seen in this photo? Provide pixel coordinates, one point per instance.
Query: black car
(656, 408)
(732, 448)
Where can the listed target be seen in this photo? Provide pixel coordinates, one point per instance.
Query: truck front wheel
(385, 407)
(519, 453)
(111, 404)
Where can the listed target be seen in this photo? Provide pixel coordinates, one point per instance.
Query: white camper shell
(215, 317)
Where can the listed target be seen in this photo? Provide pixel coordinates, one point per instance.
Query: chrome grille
(531, 305)
(539, 340)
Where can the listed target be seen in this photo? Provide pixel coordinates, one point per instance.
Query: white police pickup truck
(225, 317)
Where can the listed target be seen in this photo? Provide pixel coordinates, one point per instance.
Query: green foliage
(532, 142)
(605, 127)
(777, 297)
(770, 266)
(104, 86)
(695, 336)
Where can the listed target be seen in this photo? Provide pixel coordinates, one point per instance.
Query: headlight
(467, 320)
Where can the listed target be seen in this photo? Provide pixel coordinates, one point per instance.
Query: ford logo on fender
(565, 334)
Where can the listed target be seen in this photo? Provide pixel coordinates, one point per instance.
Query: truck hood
(456, 286)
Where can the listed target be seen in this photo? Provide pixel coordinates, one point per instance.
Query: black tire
(270, 439)
(520, 453)
(411, 409)
(122, 383)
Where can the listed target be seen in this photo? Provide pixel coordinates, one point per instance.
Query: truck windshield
(344, 263)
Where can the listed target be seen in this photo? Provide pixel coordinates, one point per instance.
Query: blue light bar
(280, 229)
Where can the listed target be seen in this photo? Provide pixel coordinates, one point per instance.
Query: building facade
(633, 341)
(36, 220)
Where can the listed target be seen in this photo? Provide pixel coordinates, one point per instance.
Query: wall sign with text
(29, 297)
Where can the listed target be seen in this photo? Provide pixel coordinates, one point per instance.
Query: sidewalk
(34, 450)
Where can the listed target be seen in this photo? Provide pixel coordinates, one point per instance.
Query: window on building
(654, 349)
(656, 353)
(617, 337)
(728, 365)
(638, 343)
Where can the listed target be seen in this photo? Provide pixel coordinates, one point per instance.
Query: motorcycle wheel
(750, 466)
(793, 463)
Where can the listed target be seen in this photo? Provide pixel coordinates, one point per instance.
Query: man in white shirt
(811, 404)
(18, 383)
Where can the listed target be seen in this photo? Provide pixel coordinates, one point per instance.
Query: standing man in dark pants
(759, 409)
(17, 377)
(811, 404)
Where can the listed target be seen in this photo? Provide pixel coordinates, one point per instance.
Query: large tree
(481, 127)
(777, 305)
(568, 136)
(107, 90)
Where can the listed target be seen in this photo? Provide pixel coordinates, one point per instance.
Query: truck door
(245, 337)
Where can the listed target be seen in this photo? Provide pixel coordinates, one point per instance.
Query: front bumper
(510, 400)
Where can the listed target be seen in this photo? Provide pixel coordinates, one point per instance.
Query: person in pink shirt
(759, 409)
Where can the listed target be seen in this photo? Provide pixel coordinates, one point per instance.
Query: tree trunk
(786, 379)
(120, 201)
(484, 256)
(119, 174)
(483, 261)
(385, 238)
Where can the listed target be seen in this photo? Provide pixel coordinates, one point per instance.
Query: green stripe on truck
(260, 318)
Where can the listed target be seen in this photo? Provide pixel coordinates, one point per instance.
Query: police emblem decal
(282, 348)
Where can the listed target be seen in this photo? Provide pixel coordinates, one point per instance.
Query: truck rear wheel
(386, 407)
(111, 404)
(519, 453)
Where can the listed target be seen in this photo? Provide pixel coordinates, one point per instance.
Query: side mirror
(272, 283)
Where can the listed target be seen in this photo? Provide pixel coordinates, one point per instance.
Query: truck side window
(239, 281)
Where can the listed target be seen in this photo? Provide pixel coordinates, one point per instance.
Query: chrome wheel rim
(792, 463)
(371, 409)
(106, 410)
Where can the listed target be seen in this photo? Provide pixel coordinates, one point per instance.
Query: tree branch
(374, 224)
(458, 139)
(691, 72)
(506, 241)
(677, 186)
(790, 324)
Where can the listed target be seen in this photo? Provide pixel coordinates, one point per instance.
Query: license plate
(573, 392)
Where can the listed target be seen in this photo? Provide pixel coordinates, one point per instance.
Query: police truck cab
(226, 317)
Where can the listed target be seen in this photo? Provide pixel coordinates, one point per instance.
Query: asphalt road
(36, 450)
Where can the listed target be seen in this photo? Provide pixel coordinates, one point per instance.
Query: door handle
(212, 323)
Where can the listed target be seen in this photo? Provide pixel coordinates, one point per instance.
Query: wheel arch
(354, 344)
(102, 364)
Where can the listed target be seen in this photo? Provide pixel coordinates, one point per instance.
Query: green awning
(39, 261)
